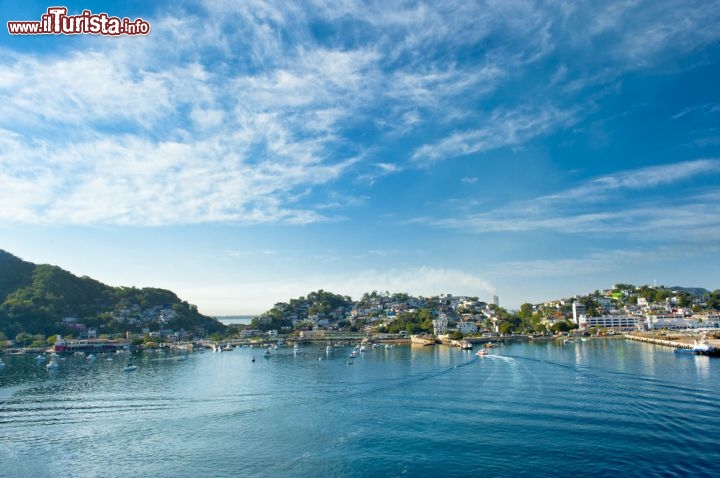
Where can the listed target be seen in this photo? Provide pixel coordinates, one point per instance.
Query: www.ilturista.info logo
(57, 22)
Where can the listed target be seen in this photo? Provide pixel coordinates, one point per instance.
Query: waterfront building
(671, 322)
(440, 326)
(89, 346)
(615, 322)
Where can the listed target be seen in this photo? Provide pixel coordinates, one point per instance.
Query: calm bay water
(597, 408)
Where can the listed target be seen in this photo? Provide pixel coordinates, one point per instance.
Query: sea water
(593, 408)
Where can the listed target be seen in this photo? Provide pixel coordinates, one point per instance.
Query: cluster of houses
(620, 309)
(134, 316)
(377, 311)
(617, 312)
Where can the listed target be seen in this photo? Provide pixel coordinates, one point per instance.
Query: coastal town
(640, 312)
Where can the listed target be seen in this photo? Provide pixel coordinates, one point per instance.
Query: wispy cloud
(233, 112)
(600, 206)
(644, 178)
(501, 128)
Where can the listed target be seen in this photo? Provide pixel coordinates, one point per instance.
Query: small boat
(2, 364)
(130, 366)
(701, 345)
(328, 349)
(40, 359)
(465, 345)
(52, 365)
(267, 353)
(481, 352)
(354, 354)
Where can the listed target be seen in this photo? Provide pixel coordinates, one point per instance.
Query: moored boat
(465, 345)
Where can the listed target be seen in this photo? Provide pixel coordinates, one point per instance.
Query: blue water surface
(594, 408)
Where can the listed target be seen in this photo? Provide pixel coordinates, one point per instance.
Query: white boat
(267, 353)
(52, 365)
(465, 345)
(130, 366)
(354, 354)
(701, 345)
(481, 352)
(328, 349)
(40, 359)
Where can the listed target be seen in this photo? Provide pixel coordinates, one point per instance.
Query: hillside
(694, 291)
(45, 299)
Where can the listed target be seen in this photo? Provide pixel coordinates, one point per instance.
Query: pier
(684, 342)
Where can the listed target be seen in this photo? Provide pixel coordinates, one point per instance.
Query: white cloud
(501, 128)
(252, 295)
(600, 206)
(200, 122)
(604, 263)
(643, 178)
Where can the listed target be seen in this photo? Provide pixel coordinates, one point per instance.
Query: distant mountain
(694, 291)
(45, 299)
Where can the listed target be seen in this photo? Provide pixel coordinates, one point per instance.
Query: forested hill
(45, 299)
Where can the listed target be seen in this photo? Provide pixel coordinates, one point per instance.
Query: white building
(671, 322)
(615, 322)
(466, 327)
(440, 326)
(578, 311)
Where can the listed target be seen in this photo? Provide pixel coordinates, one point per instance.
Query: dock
(685, 342)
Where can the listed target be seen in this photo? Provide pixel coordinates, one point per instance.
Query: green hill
(45, 299)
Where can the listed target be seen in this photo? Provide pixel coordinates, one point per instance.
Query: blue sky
(244, 153)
